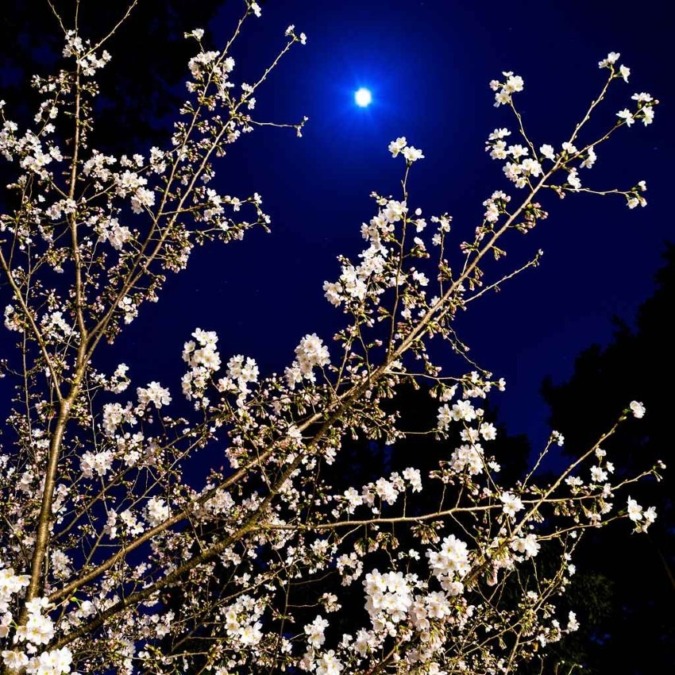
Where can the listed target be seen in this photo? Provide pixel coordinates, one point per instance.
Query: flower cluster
(310, 353)
(36, 631)
(642, 518)
(400, 145)
(522, 163)
(153, 394)
(504, 90)
(203, 358)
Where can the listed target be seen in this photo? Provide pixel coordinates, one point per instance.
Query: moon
(363, 97)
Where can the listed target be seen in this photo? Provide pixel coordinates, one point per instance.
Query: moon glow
(363, 97)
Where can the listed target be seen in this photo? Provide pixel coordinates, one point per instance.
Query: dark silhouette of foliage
(628, 590)
(140, 87)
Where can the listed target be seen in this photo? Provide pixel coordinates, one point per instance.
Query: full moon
(363, 97)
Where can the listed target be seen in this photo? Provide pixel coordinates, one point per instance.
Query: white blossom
(637, 409)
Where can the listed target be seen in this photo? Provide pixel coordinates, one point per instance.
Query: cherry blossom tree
(117, 556)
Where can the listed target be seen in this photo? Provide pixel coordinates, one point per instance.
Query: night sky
(428, 65)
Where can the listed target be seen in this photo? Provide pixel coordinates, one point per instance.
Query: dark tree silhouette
(141, 84)
(629, 589)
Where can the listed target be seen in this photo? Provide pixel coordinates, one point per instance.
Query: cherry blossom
(235, 532)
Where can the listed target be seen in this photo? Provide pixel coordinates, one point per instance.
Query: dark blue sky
(428, 65)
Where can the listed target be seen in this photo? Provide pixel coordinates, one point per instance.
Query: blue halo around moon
(362, 97)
